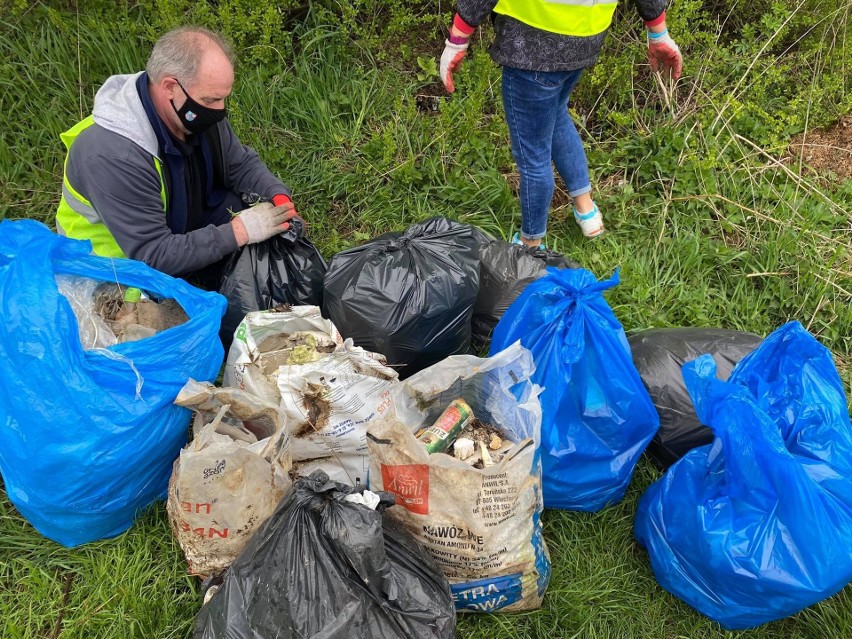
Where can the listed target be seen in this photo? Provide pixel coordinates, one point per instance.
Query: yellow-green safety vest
(568, 17)
(76, 217)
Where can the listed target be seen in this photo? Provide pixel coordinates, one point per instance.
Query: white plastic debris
(368, 498)
(209, 594)
(487, 462)
(463, 448)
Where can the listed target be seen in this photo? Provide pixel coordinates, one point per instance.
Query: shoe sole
(598, 231)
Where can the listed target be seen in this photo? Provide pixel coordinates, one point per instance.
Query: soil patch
(824, 150)
(428, 102)
(561, 199)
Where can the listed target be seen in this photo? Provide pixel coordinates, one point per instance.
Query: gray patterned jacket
(521, 46)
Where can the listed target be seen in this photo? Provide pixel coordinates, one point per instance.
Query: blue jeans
(536, 105)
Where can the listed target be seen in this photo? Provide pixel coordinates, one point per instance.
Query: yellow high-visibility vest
(567, 17)
(77, 218)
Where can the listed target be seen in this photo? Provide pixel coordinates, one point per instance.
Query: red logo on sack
(409, 484)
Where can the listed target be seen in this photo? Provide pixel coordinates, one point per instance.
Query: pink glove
(455, 49)
(663, 54)
(451, 60)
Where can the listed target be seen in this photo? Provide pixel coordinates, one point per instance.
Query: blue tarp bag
(88, 437)
(597, 417)
(758, 525)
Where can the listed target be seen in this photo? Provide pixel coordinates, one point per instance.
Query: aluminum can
(438, 437)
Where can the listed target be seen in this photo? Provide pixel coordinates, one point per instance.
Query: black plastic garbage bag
(409, 298)
(328, 568)
(659, 355)
(285, 269)
(505, 271)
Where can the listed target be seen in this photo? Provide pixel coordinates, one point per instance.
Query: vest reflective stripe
(78, 204)
(78, 227)
(77, 218)
(567, 17)
(159, 166)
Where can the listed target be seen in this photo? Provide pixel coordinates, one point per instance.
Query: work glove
(451, 60)
(663, 54)
(265, 220)
(297, 224)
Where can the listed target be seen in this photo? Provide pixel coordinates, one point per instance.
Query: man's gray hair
(178, 53)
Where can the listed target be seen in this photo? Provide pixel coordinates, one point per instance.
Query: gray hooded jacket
(111, 165)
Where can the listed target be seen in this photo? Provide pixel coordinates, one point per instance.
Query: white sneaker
(590, 223)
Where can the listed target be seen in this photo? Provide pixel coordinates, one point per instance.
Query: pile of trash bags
(361, 472)
(436, 290)
(757, 525)
(342, 409)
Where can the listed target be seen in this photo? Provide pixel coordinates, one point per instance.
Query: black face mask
(195, 117)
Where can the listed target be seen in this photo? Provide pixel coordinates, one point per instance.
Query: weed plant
(712, 217)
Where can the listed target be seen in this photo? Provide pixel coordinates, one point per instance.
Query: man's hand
(663, 54)
(281, 199)
(451, 60)
(262, 221)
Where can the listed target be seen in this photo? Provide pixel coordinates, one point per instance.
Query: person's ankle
(536, 243)
(584, 203)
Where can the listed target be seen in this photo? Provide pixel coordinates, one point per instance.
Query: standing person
(157, 174)
(544, 47)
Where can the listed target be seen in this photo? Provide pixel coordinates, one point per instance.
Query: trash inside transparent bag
(94, 331)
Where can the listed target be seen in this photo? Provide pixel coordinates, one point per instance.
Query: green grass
(709, 224)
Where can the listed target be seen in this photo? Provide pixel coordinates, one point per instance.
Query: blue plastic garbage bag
(88, 437)
(597, 417)
(758, 525)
